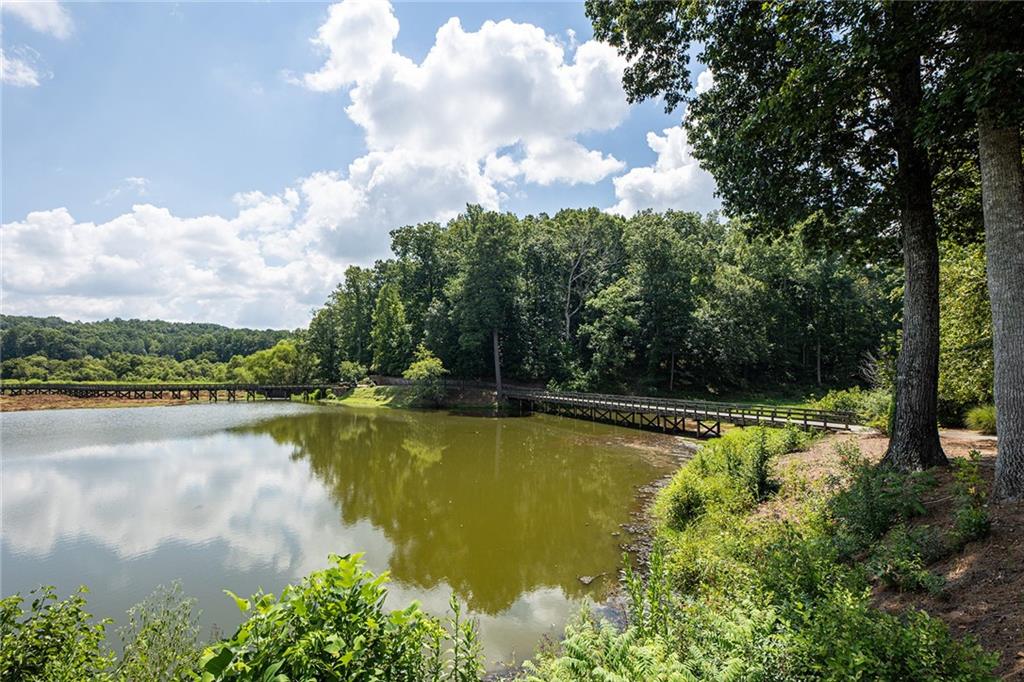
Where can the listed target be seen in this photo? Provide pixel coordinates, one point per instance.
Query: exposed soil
(21, 403)
(984, 591)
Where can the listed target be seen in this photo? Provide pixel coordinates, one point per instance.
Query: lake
(508, 513)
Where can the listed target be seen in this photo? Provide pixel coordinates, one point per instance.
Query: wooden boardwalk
(700, 418)
(196, 391)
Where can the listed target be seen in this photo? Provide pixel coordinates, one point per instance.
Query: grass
(376, 396)
(982, 418)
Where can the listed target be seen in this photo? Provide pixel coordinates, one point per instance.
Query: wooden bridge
(700, 418)
(212, 392)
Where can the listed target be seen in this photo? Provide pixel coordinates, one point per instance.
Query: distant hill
(21, 336)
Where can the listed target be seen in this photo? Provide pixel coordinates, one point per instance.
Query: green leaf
(216, 663)
(243, 604)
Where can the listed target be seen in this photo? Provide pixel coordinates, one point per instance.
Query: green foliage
(971, 521)
(114, 367)
(427, 376)
(729, 473)
(982, 418)
(871, 407)
(873, 501)
(586, 300)
(390, 335)
(351, 372)
(966, 366)
(901, 559)
(285, 363)
(597, 652)
(333, 626)
(57, 339)
(161, 638)
(54, 640)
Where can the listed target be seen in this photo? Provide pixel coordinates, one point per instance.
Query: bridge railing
(723, 411)
(169, 386)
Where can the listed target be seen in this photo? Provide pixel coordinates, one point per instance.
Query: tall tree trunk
(818, 363)
(1002, 191)
(497, 361)
(672, 373)
(914, 442)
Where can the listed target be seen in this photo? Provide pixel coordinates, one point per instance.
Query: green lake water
(508, 513)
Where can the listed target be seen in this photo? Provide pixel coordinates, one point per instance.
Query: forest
(659, 302)
(57, 339)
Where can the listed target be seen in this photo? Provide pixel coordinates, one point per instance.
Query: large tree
(390, 333)
(984, 75)
(486, 289)
(812, 122)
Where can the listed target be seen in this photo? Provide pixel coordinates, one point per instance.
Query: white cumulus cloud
(151, 263)
(675, 180)
(507, 95)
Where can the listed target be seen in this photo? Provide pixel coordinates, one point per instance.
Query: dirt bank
(984, 583)
(21, 403)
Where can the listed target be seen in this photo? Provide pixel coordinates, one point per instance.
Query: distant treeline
(586, 299)
(59, 339)
(282, 363)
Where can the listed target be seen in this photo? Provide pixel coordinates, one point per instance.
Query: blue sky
(149, 141)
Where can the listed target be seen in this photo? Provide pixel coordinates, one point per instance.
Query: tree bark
(914, 442)
(497, 361)
(818, 363)
(1002, 191)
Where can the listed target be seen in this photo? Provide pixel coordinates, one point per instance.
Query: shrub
(982, 418)
(876, 499)
(872, 407)
(427, 376)
(900, 561)
(161, 638)
(54, 640)
(333, 626)
(689, 496)
(351, 372)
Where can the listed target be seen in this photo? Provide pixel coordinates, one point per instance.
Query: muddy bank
(22, 403)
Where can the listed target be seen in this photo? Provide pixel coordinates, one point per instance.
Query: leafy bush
(427, 376)
(55, 640)
(351, 372)
(871, 407)
(689, 496)
(982, 418)
(900, 561)
(161, 638)
(333, 626)
(874, 501)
